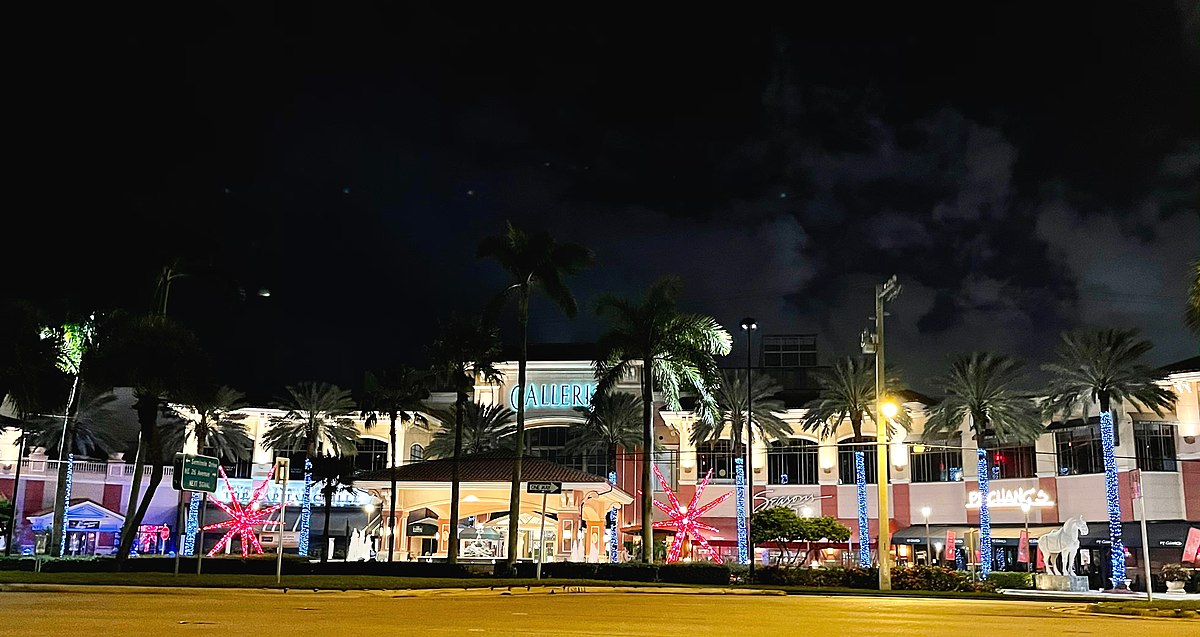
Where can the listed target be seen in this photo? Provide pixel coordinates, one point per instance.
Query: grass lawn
(1189, 608)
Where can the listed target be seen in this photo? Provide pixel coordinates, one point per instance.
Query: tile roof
(493, 466)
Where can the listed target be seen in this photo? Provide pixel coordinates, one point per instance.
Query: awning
(1162, 534)
(1165, 534)
(1006, 535)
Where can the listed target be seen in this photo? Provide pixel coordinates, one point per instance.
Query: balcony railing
(38, 467)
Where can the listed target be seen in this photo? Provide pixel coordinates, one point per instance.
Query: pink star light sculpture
(243, 519)
(686, 519)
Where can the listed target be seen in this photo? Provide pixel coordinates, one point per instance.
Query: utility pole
(874, 344)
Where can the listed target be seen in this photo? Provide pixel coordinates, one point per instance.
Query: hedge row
(692, 573)
(926, 578)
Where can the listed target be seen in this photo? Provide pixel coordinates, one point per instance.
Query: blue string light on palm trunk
(612, 524)
(985, 517)
(743, 543)
(864, 536)
(62, 535)
(305, 509)
(193, 525)
(1113, 495)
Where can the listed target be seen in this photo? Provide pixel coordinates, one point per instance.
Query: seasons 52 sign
(554, 395)
(1011, 499)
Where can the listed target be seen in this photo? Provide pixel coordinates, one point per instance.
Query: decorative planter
(1175, 587)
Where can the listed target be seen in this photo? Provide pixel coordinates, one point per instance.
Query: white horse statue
(1064, 542)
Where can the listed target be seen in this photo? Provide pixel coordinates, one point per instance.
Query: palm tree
(160, 360)
(211, 419)
(1192, 315)
(536, 262)
(1103, 366)
(396, 394)
(29, 380)
(980, 390)
(612, 422)
(485, 428)
(731, 400)
(675, 351)
(316, 415)
(333, 474)
(466, 350)
(847, 392)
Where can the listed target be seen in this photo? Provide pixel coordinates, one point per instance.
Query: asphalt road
(364, 613)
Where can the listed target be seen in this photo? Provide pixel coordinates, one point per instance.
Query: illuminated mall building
(1058, 477)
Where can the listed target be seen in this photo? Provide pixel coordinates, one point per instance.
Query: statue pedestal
(1072, 583)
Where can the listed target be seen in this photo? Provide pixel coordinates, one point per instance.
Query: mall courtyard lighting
(925, 511)
(873, 344)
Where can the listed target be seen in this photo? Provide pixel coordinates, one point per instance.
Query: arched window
(416, 453)
(716, 455)
(372, 454)
(792, 461)
(846, 449)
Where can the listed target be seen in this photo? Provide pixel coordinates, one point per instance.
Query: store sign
(796, 502)
(243, 489)
(1011, 499)
(83, 524)
(554, 396)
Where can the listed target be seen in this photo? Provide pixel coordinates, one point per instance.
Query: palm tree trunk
(1108, 432)
(514, 497)
(60, 489)
(325, 550)
(310, 451)
(855, 425)
(147, 411)
(647, 461)
(392, 503)
(16, 499)
(455, 484)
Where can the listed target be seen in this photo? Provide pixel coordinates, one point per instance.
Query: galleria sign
(1011, 499)
(557, 395)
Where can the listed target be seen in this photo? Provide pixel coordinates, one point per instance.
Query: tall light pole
(925, 511)
(749, 325)
(1025, 506)
(874, 344)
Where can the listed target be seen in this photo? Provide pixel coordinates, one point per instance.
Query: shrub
(1009, 579)
(819, 577)
(1175, 573)
(936, 578)
(694, 573)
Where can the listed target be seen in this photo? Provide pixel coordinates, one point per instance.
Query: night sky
(1022, 169)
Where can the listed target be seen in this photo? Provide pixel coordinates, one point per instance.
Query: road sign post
(544, 488)
(1135, 479)
(283, 466)
(191, 472)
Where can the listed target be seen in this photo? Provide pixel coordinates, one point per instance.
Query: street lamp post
(1025, 506)
(883, 293)
(925, 511)
(749, 325)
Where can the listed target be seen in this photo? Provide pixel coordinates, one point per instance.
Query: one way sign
(543, 487)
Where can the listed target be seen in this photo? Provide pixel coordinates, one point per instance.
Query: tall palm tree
(485, 428)
(731, 400)
(534, 262)
(675, 351)
(160, 360)
(847, 393)
(466, 350)
(332, 474)
(1192, 314)
(613, 421)
(211, 419)
(29, 380)
(317, 415)
(980, 389)
(396, 394)
(1104, 366)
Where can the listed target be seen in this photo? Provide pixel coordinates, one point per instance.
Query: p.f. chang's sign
(1011, 499)
(554, 395)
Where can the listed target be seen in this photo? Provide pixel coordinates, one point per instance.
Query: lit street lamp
(925, 511)
(873, 344)
(749, 325)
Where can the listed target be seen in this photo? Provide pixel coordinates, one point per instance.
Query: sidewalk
(408, 592)
(1096, 596)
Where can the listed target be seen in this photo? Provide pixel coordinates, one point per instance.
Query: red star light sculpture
(243, 519)
(685, 519)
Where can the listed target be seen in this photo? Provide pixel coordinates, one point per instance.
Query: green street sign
(195, 473)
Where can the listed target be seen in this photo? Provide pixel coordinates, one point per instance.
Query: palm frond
(1103, 366)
